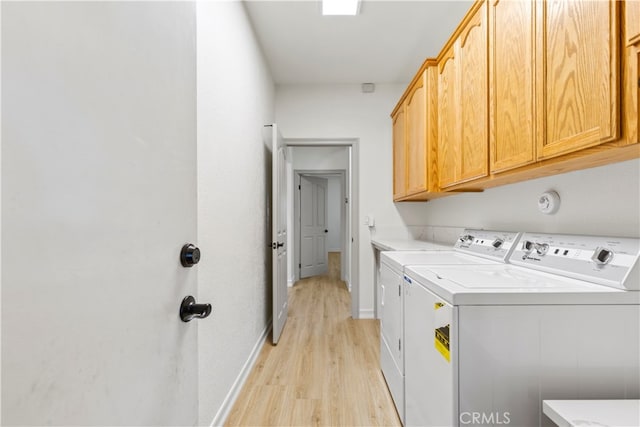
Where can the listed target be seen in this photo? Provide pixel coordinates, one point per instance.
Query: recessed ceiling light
(340, 7)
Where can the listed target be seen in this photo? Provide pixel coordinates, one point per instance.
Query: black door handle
(189, 310)
(280, 244)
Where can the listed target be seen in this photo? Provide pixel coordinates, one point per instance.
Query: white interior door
(313, 226)
(98, 197)
(279, 233)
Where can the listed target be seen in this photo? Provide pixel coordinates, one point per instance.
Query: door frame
(297, 246)
(352, 231)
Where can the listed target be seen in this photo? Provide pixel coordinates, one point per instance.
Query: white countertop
(612, 413)
(386, 244)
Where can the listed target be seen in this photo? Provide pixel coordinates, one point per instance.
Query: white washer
(485, 345)
(474, 247)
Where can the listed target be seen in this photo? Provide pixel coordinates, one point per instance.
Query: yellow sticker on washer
(438, 305)
(442, 350)
(441, 342)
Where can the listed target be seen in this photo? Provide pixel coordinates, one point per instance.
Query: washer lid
(397, 260)
(508, 284)
(408, 245)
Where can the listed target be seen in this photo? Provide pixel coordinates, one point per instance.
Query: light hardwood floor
(325, 370)
(334, 266)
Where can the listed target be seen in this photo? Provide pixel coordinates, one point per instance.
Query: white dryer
(474, 247)
(486, 344)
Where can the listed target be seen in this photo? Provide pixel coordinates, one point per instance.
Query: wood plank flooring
(334, 259)
(325, 370)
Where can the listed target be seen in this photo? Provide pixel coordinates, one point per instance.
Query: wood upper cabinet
(422, 131)
(578, 75)
(416, 111)
(414, 136)
(525, 89)
(463, 104)
(399, 154)
(448, 120)
(473, 97)
(511, 84)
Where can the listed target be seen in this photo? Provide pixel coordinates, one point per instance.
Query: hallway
(325, 369)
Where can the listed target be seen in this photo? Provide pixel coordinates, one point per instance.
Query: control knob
(602, 256)
(467, 238)
(527, 246)
(542, 248)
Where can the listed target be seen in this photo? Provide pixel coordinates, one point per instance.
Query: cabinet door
(473, 97)
(631, 74)
(416, 111)
(632, 14)
(632, 94)
(448, 129)
(399, 155)
(511, 84)
(432, 127)
(579, 73)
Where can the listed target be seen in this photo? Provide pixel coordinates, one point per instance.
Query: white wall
(235, 100)
(343, 111)
(600, 201)
(319, 158)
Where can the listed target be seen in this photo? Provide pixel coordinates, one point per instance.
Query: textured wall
(602, 201)
(235, 100)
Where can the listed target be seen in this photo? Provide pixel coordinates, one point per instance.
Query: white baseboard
(366, 313)
(290, 282)
(228, 402)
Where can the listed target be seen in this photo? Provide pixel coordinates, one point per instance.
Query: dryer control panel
(610, 261)
(496, 245)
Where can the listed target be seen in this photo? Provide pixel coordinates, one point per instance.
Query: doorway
(320, 212)
(332, 160)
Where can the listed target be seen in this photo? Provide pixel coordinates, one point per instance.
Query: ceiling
(386, 43)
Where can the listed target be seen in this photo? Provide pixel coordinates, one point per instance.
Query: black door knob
(189, 255)
(189, 310)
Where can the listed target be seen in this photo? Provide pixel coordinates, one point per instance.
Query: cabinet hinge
(299, 265)
(399, 290)
(399, 345)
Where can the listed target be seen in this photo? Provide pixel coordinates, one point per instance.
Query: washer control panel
(488, 244)
(611, 261)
